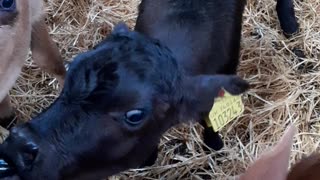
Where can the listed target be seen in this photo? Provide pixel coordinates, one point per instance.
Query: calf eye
(8, 4)
(134, 117)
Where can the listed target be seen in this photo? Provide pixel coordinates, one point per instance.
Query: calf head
(117, 101)
(275, 163)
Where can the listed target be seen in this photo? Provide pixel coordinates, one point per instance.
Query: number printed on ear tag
(225, 108)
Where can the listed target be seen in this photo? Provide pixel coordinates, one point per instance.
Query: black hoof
(289, 34)
(290, 27)
(212, 140)
(287, 18)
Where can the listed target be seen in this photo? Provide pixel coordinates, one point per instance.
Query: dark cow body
(204, 36)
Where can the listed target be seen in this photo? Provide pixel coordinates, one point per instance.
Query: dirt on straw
(284, 73)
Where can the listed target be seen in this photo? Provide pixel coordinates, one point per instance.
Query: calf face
(118, 99)
(22, 25)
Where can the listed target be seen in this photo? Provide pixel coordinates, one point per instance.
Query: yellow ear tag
(225, 108)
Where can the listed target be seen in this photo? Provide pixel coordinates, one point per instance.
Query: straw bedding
(284, 73)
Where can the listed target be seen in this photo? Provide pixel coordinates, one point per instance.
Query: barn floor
(285, 86)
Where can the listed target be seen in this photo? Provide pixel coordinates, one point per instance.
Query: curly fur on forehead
(146, 57)
(97, 71)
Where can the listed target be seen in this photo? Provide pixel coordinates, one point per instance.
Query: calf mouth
(17, 153)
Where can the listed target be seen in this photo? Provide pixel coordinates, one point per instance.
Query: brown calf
(21, 26)
(273, 165)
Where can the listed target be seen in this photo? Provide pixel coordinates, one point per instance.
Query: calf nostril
(3, 164)
(6, 170)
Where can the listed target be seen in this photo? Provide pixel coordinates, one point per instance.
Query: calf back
(204, 35)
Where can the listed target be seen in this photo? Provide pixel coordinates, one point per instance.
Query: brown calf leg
(45, 53)
(6, 113)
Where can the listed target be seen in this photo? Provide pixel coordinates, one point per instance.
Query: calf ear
(199, 93)
(273, 164)
(89, 74)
